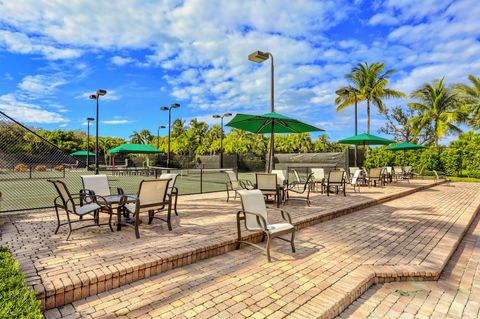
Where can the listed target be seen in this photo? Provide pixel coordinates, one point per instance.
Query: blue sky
(53, 54)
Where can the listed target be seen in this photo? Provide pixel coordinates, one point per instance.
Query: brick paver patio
(336, 261)
(96, 260)
(455, 295)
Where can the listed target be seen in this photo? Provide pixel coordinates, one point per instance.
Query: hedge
(16, 299)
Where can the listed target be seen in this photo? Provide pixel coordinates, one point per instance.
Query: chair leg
(269, 243)
(150, 216)
(137, 221)
(58, 220)
(175, 205)
(239, 231)
(110, 214)
(228, 195)
(169, 215)
(292, 241)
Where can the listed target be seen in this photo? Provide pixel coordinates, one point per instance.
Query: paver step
(336, 262)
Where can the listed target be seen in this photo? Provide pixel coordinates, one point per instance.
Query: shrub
(16, 300)
(21, 168)
(451, 161)
(40, 168)
(59, 168)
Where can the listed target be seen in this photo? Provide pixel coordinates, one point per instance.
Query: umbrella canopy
(404, 146)
(134, 149)
(82, 153)
(263, 124)
(270, 123)
(365, 139)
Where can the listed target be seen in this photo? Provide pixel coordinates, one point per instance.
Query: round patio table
(115, 200)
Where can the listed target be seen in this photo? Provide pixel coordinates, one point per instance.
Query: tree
(399, 125)
(142, 137)
(369, 82)
(470, 96)
(437, 106)
(178, 127)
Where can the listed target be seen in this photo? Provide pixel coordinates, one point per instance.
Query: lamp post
(259, 57)
(95, 97)
(88, 119)
(221, 135)
(348, 92)
(169, 109)
(158, 135)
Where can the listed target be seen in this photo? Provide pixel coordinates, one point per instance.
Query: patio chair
(255, 217)
(438, 177)
(419, 174)
(234, 184)
(337, 180)
(152, 197)
(66, 201)
(376, 176)
(98, 184)
(398, 172)
(172, 189)
(355, 182)
(301, 188)
(268, 185)
(282, 176)
(318, 178)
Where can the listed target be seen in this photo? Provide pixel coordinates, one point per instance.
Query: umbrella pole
(272, 149)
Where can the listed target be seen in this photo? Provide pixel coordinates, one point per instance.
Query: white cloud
(28, 112)
(114, 122)
(119, 60)
(41, 84)
(110, 96)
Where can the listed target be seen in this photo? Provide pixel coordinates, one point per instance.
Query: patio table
(115, 200)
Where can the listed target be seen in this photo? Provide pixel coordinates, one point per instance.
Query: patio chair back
(389, 169)
(152, 193)
(353, 169)
(171, 185)
(336, 177)
(297, 176)
(375, 173)
(281, 175)
(232, 177)
(356, 176)
(96, 183)
(266, 181)
(318, 173)
(253, 202)
(398, 170)
(64, 195)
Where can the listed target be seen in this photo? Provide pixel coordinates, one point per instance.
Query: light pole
(349, 92)
(95, 97)
(259, 57)
(88, 119)
(158, 135)
(169, 109)
(221, 135)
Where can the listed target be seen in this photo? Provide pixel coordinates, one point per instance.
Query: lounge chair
(234, 184)
(355, 182)
(172, 189)
(66, 201)
(268, 185)
(254, 215)
(337, 180)
(318, 178)
(152, 197)
(376, 176)
(301, 188)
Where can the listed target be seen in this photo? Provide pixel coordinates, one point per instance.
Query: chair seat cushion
(87, 209)
(130, 207)
(276, 228)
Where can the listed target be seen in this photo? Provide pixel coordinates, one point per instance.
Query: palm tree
(368, 83)
(142, 137)
(437, 107)
(470, 95)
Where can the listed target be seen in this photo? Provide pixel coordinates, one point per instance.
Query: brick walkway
(336, 261)
(96, 260)
(455, 295)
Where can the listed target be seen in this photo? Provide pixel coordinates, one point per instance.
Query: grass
(464, 179)
(20, 192)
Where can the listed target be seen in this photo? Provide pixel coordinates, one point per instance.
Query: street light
(169, 109)
(96, 97)
(88, 119)
(259, 57)
(221, 135)
(158, 135)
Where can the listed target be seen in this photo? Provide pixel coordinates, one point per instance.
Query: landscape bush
(40, 168)
(59, 168)
(20, 168)
(16, 299)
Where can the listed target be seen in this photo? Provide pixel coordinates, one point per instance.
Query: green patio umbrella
(270, 123)
(82, 153)
(365, 139)
(404, 147)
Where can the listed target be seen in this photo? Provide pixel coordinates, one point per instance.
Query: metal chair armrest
(260, 220)
(288, 219)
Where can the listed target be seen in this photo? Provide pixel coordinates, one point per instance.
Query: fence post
(201, 180)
